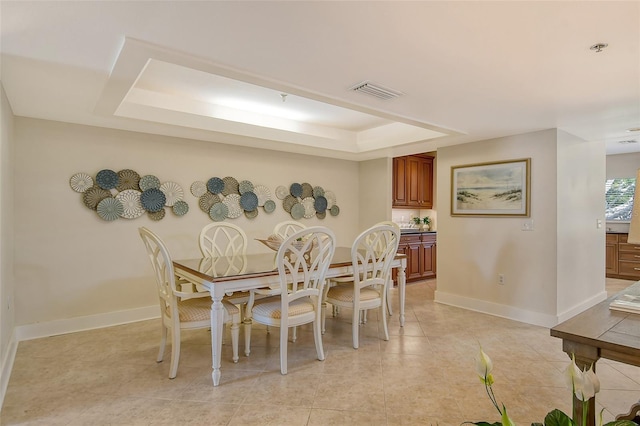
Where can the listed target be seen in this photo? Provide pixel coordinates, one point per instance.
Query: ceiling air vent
(376, 90)
(628, 141)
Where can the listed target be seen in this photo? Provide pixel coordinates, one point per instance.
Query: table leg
(217, 328)
(402, 282)
(586, 356)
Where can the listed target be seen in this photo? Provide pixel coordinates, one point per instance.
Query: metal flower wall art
(127, 195)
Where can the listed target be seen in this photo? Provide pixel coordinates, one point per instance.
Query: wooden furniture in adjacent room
(420, 249)
(622, 258)
(600, 332)
(413, 182)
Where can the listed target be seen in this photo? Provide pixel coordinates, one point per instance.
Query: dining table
(221, 276)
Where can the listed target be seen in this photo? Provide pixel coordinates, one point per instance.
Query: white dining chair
(180, 310)
(283, 230)
(371, 255)
(349, 279)
(286, 228)
(302, 267)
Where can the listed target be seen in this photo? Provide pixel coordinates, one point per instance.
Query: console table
(600, 332)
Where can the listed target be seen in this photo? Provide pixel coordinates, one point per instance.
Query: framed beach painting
(500, 188)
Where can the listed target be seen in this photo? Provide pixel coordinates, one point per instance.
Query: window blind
(619, 199)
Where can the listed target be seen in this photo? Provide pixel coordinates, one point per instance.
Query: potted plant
(417, 221)
(426, 223)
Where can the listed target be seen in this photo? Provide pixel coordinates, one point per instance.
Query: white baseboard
(491, 308)
(89, 322)
(569, 313)
(7, 365)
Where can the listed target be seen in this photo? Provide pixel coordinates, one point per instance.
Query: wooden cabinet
(622, 258)
(420, 249)
(428, 266)
(413, 182)
(611, 254)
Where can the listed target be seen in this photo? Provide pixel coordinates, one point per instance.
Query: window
(619, 199)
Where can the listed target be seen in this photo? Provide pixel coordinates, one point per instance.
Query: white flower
(590, 384)
(584, 384)
(484, 366)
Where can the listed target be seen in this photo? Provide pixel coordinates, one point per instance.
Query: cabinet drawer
(629, 268)
(629, 256)
(612, 238)
(410, 239)
(428, 238)
(629, 247)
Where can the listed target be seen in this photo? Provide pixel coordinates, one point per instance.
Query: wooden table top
(615, 334)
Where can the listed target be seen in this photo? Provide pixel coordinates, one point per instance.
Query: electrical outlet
(501, 279)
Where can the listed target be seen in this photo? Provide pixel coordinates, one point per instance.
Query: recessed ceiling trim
(129, 94)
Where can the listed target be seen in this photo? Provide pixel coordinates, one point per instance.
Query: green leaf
(557, 418)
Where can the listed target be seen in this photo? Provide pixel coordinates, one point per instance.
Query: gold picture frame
(499, 188)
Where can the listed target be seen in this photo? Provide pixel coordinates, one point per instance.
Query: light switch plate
(527, 225)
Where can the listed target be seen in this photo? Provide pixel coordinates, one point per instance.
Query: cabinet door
(428, 257)
(414, 271)
(400, 181)
(414, 184)
(611, 255)
(419, 171)
(425, 183)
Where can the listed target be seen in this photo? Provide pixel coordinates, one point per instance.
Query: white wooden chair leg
(235, 336)
(284, 337)
(384, 322)
(175, 351)
(354, 328)
(294, 334)
(324, 316)
(389, 309)
(317, 337)
(247, 336)
(163, 343)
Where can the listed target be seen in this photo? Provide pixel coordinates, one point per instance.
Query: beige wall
(375, 191)
(623, 165)
(69, 263)
(472, 251)
(581, 238)
(7, 306)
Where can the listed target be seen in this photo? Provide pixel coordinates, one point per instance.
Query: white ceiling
(467, 71)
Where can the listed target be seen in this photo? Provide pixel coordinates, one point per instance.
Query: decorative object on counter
(127, 195)
(228, 198)
(500, 188)
(302, 200)
(274, 241)
(426, 223)
(417, 221)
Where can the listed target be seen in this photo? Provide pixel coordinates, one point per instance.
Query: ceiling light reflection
(280, 111)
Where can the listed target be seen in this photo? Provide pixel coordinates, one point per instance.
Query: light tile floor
(424, 375)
